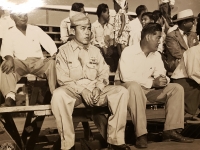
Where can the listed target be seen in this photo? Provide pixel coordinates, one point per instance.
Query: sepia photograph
(99, 74)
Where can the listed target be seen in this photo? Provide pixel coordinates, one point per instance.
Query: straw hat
(185, 14)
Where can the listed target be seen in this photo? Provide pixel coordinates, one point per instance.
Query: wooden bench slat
(24, 108)
(43, 110)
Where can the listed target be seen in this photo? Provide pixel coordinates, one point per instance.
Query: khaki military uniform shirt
(80, 67)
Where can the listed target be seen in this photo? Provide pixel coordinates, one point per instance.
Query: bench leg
(37, 124)
(25, 134)
(12, 130)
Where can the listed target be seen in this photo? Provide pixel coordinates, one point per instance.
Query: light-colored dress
(124, 38)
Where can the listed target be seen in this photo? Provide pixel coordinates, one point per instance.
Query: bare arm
(166, 25)
(123, 24)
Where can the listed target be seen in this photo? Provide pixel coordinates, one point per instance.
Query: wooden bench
(81, 114)
(32, 127)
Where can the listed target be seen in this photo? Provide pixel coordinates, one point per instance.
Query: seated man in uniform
(142, 72)
(83, 77)
(22, 54)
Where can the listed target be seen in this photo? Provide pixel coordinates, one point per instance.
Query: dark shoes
(119, 147)
(9, 102)
(141, 142)
(173, 135)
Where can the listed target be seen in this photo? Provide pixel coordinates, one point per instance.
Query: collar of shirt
(139, 51)
(181, 31)
(184, 36)
(97, 24)
(75, 44)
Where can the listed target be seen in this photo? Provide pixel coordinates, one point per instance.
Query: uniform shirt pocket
(91, 71)
(75, 70)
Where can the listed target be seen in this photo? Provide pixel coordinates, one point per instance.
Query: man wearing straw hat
(83, 78)
(180, 39)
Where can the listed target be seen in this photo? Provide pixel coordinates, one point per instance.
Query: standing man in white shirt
(23, 55)
(142, 72)
(165, 6)
(65, 23)
(103, 35)
(136, 25)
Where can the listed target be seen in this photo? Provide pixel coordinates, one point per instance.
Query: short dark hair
(101, 8)
(150, 28)
(149, 14)
(156, 15)
(77, 6)
(140, 9)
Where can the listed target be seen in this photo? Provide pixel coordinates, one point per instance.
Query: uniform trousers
(63, 103)
(172, 95)
(31, 65)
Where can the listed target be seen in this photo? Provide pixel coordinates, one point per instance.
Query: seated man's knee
(51, 63)
(123, 90)
(119, 88)
(59, 92)
(177, 87)
(134, 86)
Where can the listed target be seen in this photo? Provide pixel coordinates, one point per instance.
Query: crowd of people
(158, 62)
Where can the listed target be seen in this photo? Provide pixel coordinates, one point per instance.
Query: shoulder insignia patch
(57, 62)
